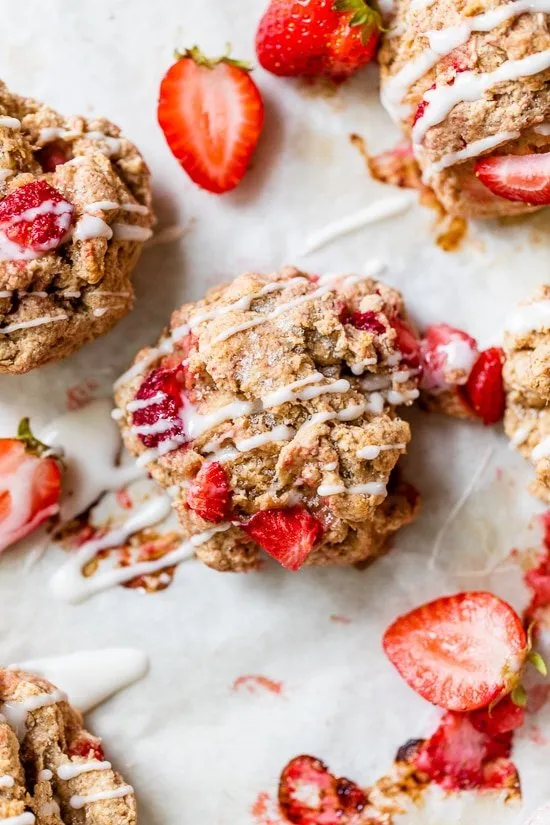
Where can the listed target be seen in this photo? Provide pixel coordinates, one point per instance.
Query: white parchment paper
(196, 750)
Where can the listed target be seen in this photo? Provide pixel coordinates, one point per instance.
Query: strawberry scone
(268, 411)
(468, 81)
(527, 378)
(52, 771)
(75, 209)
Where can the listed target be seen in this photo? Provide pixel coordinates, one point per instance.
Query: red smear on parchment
(253, 682)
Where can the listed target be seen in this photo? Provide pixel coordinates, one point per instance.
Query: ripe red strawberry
(210, 495)
(309, 794)
(317, 37)
(36, 216)
(30, 486)
(53, 154)
(448, 355)
(288, 535)
(407, 343)
(211, 113)
(169, 386)
(524, 178)
(367, 321)
(459, 652)
(484, 390)
(86, 748)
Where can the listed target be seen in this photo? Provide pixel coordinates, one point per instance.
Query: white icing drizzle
(443, 42)
(141, 404)
(72, 293)
(5, 173)
(112, 145)
(16, 711)
(542, 129)
(70, 770)
(99, 312)
(131, 232)
(78, 802)
(7, 781)
(471, 150)
(10, 122)
(459, 355)
(371, 488)
(22, 819)
(521, 435)
(470, 86)
(103, 206)
(11, 251)
(35, 322)
(160, 426)
(377, 211)
(542, 450)
(530, 318)
(44, 775)
(90, 226)
(372, 451)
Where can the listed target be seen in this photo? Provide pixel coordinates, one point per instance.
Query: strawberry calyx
(363, 16)
(31, 443)
(197, 56)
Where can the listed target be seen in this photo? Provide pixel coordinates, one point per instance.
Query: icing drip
(16, 712)
(10, 122)
(70, 770)
(542, 450)
(131, 232)
(78, 802)
(371, 488)
(23, 819)
(7, 781)
(44, 775)
(373, 450)
(90, 226)
(530, 318)
(36, 322)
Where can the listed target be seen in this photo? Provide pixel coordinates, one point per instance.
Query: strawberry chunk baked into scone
(268, 411)
(468, 81)
(527, 378)
(52, 771)
(75, 209)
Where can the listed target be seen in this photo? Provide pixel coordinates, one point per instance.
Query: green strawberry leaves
(363, 15)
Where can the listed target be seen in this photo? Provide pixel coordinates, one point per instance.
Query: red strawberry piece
(504, 717)
(168, 385)
(524, 178)
(86, 748)
(407, 343)
(288, 535)
(367, 321)
(484, 391)
(459, 652)
(210, 495)
(30, 486)
(317, 37)
(52, 155)
(458, 756)
(310, 795)
(422, 106)
(211, 113)
(448, 355)
(36, 216)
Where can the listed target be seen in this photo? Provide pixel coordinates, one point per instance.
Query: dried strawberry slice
(407, 343)
(309, 794)
(484, 391)
(36, 216)
(448, 355)
(210, 495)
(288, 535)
(168, 386)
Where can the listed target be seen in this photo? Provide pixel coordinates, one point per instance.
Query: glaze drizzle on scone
(527, 377)
(75, 209)
(277, 393)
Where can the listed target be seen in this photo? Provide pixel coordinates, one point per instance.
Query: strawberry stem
(363, 15)
(25, 435)
(195, 54)
(519, 696)
(538, 662)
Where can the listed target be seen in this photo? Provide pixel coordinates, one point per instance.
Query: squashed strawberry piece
(484, 390)
(288, 535)
(367, 321)
(524, 178)
(168, 385)
(52, 155)
(460, 757)
(448, 355)
(503, 717)
(407, 343)
(30, 486)
(36, 216)
(210, 495)
(459, 652)
(310, 795)
(87, 749)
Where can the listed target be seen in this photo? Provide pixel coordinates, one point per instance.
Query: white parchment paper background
(197, 751)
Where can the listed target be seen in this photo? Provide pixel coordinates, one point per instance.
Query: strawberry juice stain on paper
(257, 684)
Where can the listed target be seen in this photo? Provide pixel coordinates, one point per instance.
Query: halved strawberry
(459, 652)
(524, 178)
(210, 495)
(167, 387)
(484, 390)
(448, 355)
(30, 486)
(310, 795)
(288, 535)
(36, 216)
(211, 113)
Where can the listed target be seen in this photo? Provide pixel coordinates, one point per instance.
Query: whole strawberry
(317, 37)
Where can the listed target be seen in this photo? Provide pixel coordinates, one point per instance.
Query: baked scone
(52, 771)
(75, 210)
(466, 79)
(527, 378)
(268, 411)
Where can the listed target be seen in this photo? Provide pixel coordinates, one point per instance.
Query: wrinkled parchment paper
(196, 750)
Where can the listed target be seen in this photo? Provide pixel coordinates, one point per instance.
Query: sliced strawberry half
(448, 355)
(210, 495)
(211, 113)
(288, 535)
(459, 652)
(30, 486)
(168, 386)
(36, 216)
(524, 178)
(310, 795)
(484, 390)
